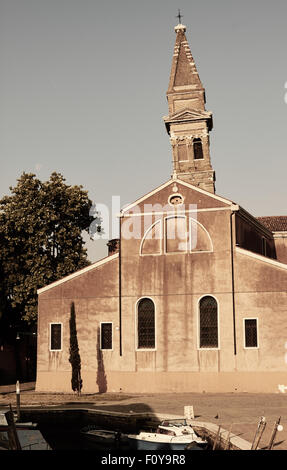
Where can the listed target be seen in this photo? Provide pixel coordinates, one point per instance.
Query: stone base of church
(166, 382)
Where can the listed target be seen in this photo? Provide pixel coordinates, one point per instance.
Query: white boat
(170, 434)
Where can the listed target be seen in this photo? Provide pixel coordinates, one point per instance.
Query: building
(193, 298)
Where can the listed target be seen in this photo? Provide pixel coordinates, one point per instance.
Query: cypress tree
(74, 358)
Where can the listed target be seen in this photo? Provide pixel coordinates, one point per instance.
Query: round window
(175, 200)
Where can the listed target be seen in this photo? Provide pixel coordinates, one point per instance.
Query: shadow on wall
(101, 375)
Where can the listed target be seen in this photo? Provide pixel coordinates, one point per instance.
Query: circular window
(175, 200)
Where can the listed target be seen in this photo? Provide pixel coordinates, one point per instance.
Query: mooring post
(14, 443)
(18, 400)
(261, 431)
(277, 427)
(258, 434)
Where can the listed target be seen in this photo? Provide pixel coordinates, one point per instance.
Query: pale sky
(83, 91)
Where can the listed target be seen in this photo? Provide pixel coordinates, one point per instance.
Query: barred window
(197, 149)
(208, 322)
(251, 339)
(55, 336)
(146, 324)
(106, 336)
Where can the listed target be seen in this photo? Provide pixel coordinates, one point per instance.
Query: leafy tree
(74, 358)
(40, 241)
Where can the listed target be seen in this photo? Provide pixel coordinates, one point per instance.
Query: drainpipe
(234, 209)
(120, 285)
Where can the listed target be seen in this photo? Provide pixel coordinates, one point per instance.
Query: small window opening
(197, 149)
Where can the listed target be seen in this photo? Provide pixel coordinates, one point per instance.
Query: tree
(40, 241)
(74, 358)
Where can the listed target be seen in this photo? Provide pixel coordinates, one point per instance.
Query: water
(71, 438)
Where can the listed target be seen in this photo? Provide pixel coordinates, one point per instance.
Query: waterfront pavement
(241, 410)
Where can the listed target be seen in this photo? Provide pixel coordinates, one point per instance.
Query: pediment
(157, 196)
(188, 115)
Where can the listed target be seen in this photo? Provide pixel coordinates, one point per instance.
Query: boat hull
(140, 444)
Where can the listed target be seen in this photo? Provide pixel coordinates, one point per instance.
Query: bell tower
(188, 123)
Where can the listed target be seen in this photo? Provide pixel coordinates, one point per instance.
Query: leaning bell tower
(188, 123)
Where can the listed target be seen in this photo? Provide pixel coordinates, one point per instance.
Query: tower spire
(188, 123)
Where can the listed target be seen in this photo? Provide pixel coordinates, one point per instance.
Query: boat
(104, 438)
(170, 434)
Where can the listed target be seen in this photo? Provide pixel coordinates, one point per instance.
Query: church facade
(193, 296)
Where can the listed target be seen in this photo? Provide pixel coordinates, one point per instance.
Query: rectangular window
(106, 336)
(55, 336)
(251, 337)
(197, 149)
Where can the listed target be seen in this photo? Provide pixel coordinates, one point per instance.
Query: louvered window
(106, 336)
(251, 340)
(208, 322)
(146, 324)
(55, 336)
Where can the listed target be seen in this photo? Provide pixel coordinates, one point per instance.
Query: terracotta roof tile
(275, 223)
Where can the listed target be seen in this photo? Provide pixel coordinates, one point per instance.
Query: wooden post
(14, 442)
(263, 426)
(216, 438)
(18, 400)
(273, 434)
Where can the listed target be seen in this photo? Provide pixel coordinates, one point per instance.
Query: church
(193, 295)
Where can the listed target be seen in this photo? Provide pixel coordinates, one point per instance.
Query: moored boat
(104, 438)
(170, 434)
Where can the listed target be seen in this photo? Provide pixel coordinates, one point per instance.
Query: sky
(83, 91)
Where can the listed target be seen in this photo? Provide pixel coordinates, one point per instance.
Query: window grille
(146, 324)
(208, 323)
(106, 336)
(197, 149)
(251, 333)
(56, 336)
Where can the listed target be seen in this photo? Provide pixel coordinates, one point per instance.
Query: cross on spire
(179, 16)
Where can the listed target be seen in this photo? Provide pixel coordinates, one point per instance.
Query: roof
(78, 273)
(275, 223)
(183, 68)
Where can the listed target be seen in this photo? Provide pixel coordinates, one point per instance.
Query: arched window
(208, 322)
(199, 237)
(146, 324)
(197, 149)
(151, 242)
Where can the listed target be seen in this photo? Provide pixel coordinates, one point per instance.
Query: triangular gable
(180, 182)
(188, 114)
(78, 273)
